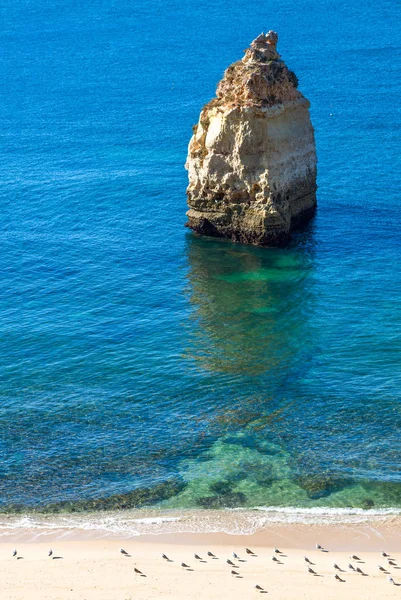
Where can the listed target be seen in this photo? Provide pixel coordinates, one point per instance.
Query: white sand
(95, 569)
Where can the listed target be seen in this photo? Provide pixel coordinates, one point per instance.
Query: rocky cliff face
(252, 159)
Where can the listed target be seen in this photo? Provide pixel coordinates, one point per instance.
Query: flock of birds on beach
(277, 558)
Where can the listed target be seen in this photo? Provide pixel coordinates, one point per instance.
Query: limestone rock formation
(252, 158)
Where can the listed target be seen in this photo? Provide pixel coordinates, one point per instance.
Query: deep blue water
(140, 364)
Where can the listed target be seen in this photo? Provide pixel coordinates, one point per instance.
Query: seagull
(392, 563)
(234, 573)
(355, 557)
(319, 547)
(337, 567)
(384, 554)
(391, 580)
(14, 553)
(211, 554)
(275, 559)
(358, 570)
(50, 552)
(381, 568)
(336, 576)
(124, 552)
(165, 557)
(138, 571)
(235, 556)
(230, 562)
(310, 570)
(306, 559)
(351, 567)
(197, 557)
(184, 566)
(277, 551)
(249, 552)
(258, 587)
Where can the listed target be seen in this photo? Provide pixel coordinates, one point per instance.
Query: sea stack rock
(252, 157)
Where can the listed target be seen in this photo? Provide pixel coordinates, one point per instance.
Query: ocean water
(142, 366)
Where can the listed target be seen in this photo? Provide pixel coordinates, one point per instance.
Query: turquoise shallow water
(141, 365)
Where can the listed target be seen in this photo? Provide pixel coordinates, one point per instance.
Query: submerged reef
(252, 158)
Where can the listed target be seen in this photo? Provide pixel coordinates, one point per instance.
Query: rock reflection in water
(251, 309)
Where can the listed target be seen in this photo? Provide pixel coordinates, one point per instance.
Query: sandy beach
(89, 569)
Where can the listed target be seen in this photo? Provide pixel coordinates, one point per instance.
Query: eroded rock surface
(252, 158)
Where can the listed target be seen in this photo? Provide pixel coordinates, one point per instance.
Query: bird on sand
(306, 559)
(211, 554)
(319, 547)
(337, 567)
(235, 555)
(355, 557)
(234, 573)
(124, 552)
(384, 554)
(258, 587)
(230, 562)
(277, 551)
(165, 557)
(392, 562)
(138, 571)
(197, 557)
(15, 553)
(248, 551)
(310, 570)
(184, 566)
(381, 568)
(358, 570)
(351, 567)
(336, 576)
(50, 552)
(391, 580)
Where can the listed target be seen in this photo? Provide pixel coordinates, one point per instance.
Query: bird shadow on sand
(58, 557)
(20, 557)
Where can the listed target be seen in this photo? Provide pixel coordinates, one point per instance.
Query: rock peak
(270, 38)
(261, 78)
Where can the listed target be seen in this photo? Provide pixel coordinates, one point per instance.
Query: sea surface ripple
(143, 366)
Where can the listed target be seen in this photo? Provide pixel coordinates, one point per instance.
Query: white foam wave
(236, 521)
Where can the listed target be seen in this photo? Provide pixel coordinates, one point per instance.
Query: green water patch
(239, 471)
(277, 275)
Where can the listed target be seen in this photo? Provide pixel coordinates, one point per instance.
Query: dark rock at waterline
(138, 498)
(230, 500)
(321, 486)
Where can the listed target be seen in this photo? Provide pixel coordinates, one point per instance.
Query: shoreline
(262, 525)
